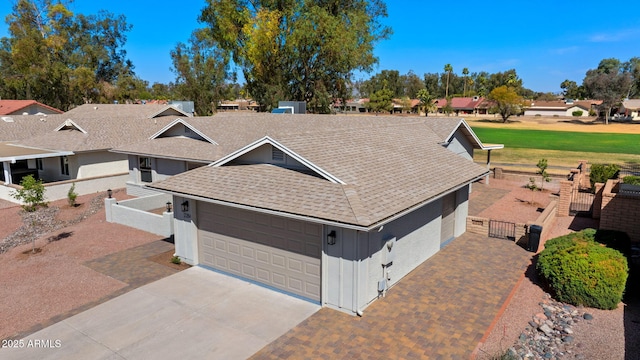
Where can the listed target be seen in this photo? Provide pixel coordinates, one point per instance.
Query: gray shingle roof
(19, 127)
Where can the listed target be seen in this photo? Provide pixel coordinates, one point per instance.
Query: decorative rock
(545, 329)
(568, 339)
(587, 316)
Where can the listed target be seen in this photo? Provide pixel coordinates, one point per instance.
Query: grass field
(562, 141)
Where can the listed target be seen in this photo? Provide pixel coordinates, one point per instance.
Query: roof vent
(25, 113)
(7, 119)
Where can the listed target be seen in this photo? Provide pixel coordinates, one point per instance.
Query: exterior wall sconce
(331, 238)
(109, 193)
(168, 206)
(185, 206)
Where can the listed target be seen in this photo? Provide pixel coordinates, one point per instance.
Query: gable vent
(277, 154)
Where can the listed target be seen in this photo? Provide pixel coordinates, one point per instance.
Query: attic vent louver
(7, 119)
(276, 154)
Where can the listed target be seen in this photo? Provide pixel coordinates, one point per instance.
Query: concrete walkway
(194, 314)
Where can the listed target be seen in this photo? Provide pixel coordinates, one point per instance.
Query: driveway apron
(194, 314)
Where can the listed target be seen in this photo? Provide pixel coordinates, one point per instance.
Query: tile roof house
(334, 209)
(465, 105)
(25, 107)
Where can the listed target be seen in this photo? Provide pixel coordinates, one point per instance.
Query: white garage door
(273, 250)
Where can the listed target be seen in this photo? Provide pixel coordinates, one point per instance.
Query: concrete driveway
(196, 313)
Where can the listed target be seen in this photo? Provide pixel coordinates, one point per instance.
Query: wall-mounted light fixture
(109, 193)
(331, 237)
(168, 206)
(185, 206)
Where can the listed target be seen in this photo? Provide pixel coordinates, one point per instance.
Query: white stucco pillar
(6, 165)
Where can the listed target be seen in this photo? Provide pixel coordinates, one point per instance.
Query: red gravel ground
(37, 287)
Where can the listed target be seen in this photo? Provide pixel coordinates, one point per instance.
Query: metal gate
(502, 229)
(581, 202)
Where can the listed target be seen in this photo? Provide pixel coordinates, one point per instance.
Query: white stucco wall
(99, 163)
(461, 146)
(186, 231)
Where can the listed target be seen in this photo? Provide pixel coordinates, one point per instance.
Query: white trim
(186, 124)
(474, 136)
(70, 123)
(167, 108)
(267, 140)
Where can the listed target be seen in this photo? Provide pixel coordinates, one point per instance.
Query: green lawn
(561, 140)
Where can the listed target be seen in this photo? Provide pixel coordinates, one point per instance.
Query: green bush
(581, 271)
(72, 195)
(31, 193)
(577, 113)
(600, 173)
(592, 112)
(631, 179)
(176, 260)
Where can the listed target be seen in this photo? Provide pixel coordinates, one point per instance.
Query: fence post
(564, 202)
(167, 218)
(108, 202)
(597, 201)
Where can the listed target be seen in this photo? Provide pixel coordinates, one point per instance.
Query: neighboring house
(631, 108)
(335, 209)
(26, 107)
(464, 105)
(76, 144)
(353, 106)
(560, 107)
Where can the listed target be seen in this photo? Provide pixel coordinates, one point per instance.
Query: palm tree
(465, 72)
(448, 69)
(426, 100)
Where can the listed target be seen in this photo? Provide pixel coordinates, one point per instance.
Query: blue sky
(546, 42)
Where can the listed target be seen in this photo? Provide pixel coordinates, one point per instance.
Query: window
(145, 169)
(39, 164)
(64, 165)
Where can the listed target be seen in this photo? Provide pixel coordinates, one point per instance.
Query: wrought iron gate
(502, 229)
(581, 202)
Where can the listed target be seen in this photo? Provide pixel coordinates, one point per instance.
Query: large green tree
(60, 58)
(507, 102)
(426, 101)
(610, 82)
(298, 50)
(202, 70)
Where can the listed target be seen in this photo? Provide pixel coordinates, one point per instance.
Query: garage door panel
(278, 252)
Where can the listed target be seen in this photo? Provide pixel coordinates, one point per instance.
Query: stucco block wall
(185, 231)
(620, 211)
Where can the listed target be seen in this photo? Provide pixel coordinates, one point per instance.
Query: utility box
(299, 107)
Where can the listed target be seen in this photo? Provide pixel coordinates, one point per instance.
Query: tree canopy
(298, 50)
(507, 102)
(610, 82)
(60, 58)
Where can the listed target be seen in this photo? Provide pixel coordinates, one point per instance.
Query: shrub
(31, 193)
(592, 112)
(581, 271)
(72, 195)
(631, 179)
(577, 113)
(600, 173)
(176, 260)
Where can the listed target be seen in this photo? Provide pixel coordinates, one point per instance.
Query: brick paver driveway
(441, 310)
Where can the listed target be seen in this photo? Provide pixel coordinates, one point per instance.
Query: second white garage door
(279, 252)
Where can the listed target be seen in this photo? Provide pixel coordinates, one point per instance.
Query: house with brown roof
(333, 209)
(74, 146)
(26, 107)
(631, 109)
(560, 107)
